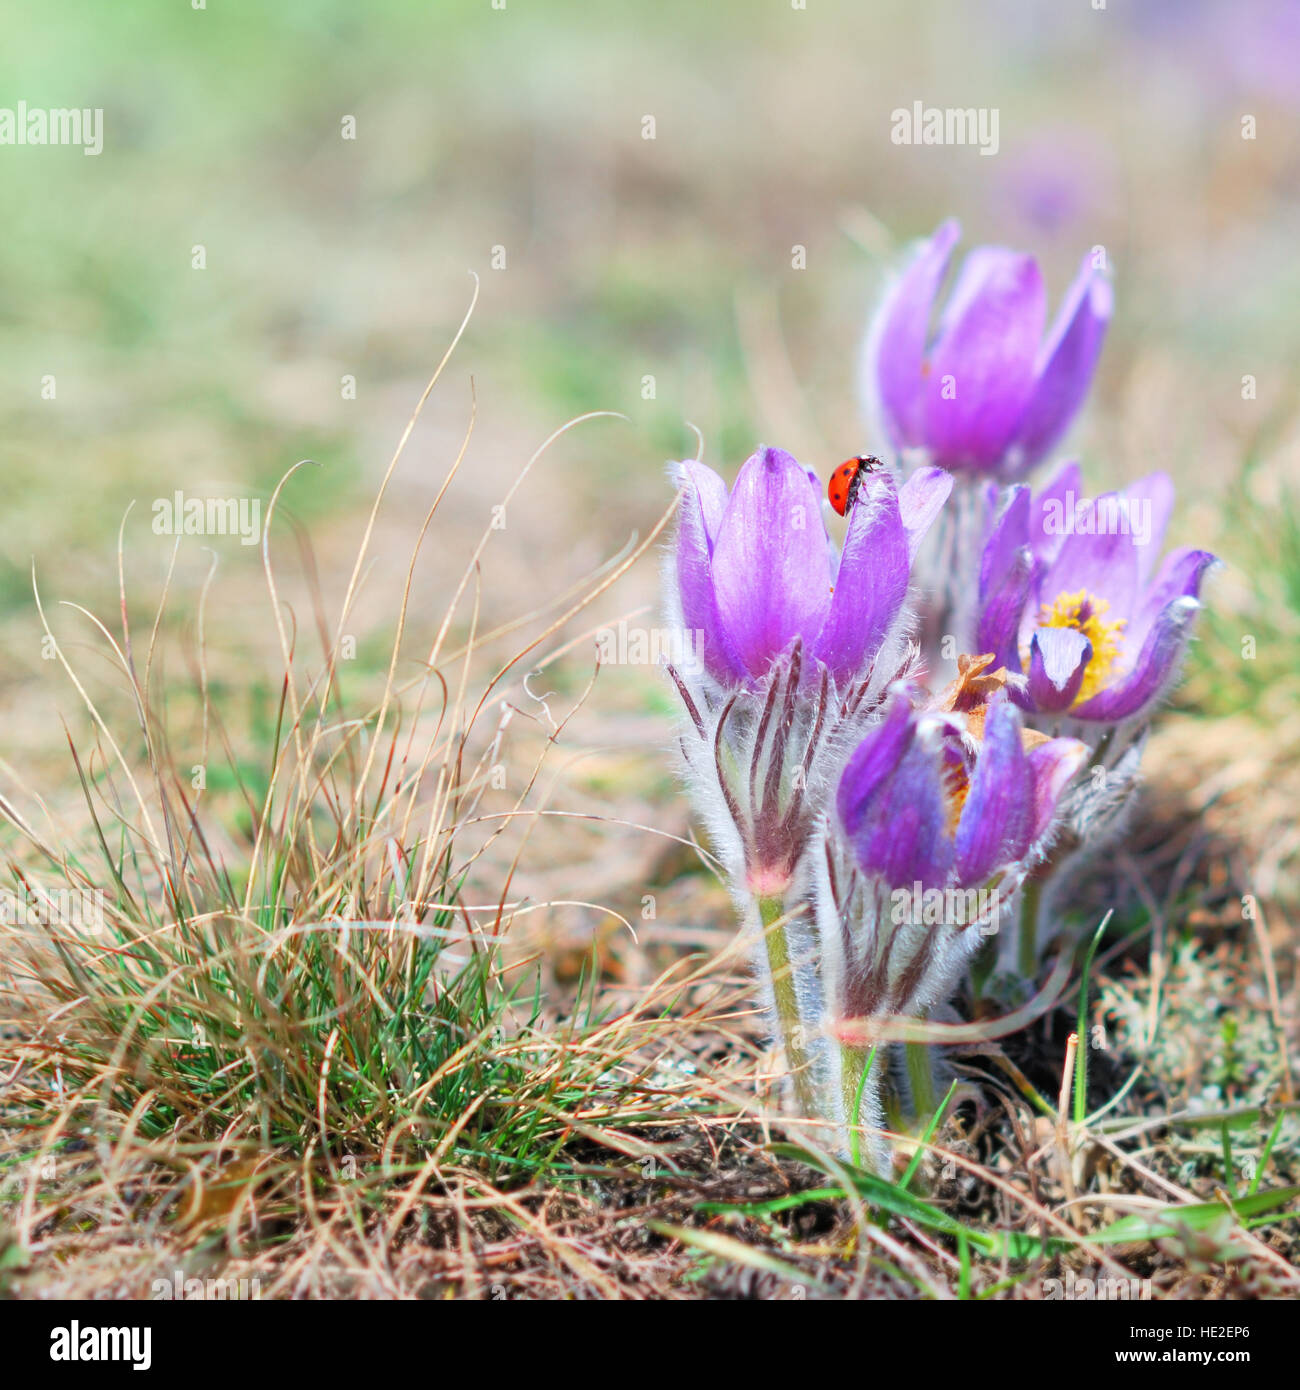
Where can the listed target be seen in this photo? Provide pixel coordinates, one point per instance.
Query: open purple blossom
(1071, 599)
(755, 573)
(987, 393)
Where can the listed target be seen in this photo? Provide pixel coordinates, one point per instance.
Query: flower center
(1086, 614)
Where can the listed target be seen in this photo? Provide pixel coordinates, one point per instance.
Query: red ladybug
(842, 490)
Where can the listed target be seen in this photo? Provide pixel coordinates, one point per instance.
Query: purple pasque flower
(788, 638)
(950, 799)
(794, 644)
(1071, 599)
(755, 573)
(791, 645)
(938, 817)
(987, 393)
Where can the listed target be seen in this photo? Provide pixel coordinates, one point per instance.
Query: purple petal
(702, 507)
(1010, 534)
(1058, 662)
(873, 760)
(981, 371)
(1051, 765)
(710, 493)
(920, 500)
(1066, 365)
(1179, 576)
(992, 498)
(1152, 672)
(899, 334)
(1006, 574)
(996, 820)
(1105, 566)
(771, 572)
(1051, 516)
(901, 833)
(1150, 504)
(998, 630)
(871, 583)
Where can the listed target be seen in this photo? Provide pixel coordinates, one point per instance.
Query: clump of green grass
(265, 986)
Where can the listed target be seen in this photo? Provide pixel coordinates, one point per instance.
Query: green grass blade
(1081, 1056)
(1170, 1221)
(1266, 1154)
(877, 1192)
(915, 1163)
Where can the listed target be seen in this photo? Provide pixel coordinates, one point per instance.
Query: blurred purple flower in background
(1224, 51)
(1069, 597)
(987, 394)
(1055, 181)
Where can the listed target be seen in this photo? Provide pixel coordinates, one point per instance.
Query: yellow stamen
(1085, 613)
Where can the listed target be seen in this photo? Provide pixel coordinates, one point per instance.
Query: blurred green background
(625, 258)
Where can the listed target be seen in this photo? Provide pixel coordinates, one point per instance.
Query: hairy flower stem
(771, 911)
(1030, 894)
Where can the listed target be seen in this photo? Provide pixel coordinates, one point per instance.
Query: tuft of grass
(250, 975)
